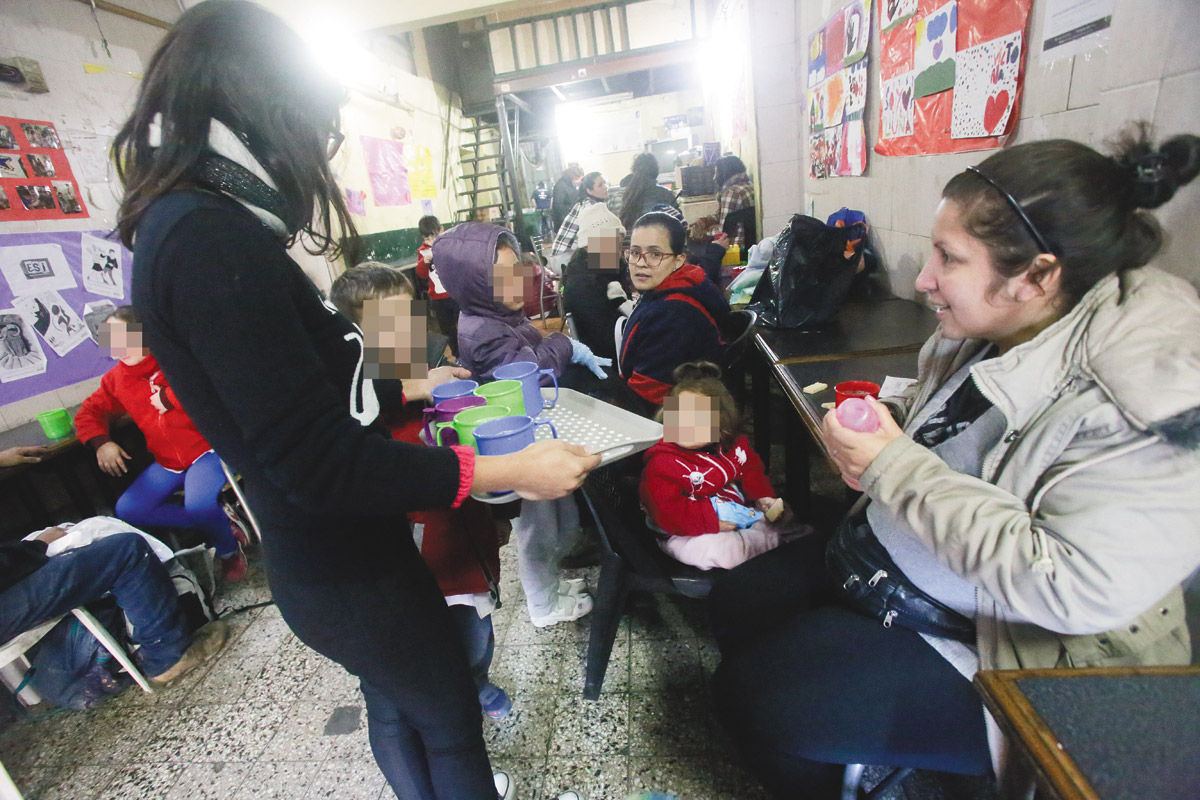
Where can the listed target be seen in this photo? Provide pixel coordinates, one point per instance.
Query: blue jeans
(122, 564)
(480, 642)
(147, 502)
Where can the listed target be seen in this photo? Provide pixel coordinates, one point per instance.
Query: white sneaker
(569, 607)
(506, 788)
(570, 796)
(572, 586)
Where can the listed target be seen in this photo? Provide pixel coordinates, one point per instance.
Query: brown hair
(369, 279)
(704, 378)
(126, 314)
(701, 231)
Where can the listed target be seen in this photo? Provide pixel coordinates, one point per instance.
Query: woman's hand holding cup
(545, 470)
(852, 451)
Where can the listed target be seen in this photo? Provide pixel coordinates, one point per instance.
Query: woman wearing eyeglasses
(677, 313)
(1031, 502)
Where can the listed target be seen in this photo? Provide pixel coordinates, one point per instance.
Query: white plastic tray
(612, 432)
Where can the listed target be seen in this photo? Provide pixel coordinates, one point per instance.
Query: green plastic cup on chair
(509, 393)
(465, 423)
(56, 424)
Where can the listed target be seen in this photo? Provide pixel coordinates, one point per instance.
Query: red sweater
(452, 545)
(678, 484)
(427, 273)
(171, 437)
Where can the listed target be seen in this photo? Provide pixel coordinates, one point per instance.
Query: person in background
(735, 200)
(595, 190)
(706, 246)
(444, 306)
(1038, 509)
(677, 315)
(481, 267)
(183, 459)
(461, 547)
(594, 281)
(541, 201)
(566, 193)
(225, 163)
(643, 191)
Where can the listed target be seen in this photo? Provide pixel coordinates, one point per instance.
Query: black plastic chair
(737, 328)
(630, 561)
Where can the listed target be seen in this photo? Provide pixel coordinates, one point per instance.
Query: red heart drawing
(994, 109)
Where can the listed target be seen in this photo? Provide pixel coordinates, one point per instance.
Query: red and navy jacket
(425, 272)
(678, 484)
(171, 438)
(676, 323)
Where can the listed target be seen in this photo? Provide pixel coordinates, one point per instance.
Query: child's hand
(723, 526)
(773, 508)
(157, 401)
(419, 389)
(111, 458)
(721, 240)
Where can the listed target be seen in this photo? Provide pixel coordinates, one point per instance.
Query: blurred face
(599, 189)
(691, 420)
(123, 342)
(394, 338)
(508, 280)
(604, 249)
(650, 257)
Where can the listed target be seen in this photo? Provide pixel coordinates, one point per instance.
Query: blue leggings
(146, 503)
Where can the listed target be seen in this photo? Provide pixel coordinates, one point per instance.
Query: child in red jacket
(182, 458)
(704, 488)
(444, 306)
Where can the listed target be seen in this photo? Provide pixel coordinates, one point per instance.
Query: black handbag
(869, 580)
(810, 274)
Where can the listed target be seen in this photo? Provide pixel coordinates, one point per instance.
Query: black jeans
(806, 685)
(396, 635)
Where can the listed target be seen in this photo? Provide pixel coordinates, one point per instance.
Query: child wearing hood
(481, 267)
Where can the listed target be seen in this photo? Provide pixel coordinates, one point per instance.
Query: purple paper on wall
(356, 201)
(84, 360)
(385, 168)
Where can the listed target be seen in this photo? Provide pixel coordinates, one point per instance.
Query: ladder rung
(475, 175)
(473, 159)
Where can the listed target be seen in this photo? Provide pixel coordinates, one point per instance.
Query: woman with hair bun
(1030, 502)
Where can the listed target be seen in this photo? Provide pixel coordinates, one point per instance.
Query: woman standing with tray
(225, 161)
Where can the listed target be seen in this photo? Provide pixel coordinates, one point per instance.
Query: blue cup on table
(499, 437)
(453, 389)
(530, 376)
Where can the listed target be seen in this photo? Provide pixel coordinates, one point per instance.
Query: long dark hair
(643, 179)
(234, 61)
(727, 167)
(1085, 205)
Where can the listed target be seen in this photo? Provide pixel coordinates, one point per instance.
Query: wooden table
(1102, 734)
(866, 341)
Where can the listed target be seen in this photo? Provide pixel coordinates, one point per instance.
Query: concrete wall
(1150, 70)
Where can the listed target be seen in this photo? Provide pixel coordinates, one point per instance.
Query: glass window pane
(502, 53)
(583, 22)
(600, 21)
(547, 48)
(526, 58)
(566, 38)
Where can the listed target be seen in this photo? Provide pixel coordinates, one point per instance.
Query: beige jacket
(1087, 517)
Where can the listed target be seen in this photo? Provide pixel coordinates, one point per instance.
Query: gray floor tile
(330, 682)
(526, 731)
(661, 616)
(288, 780)
(214, 733)
(669, 724)
(693, 778)
(532, 668)
(616, 678)
(66, 782)
(226, 681)
(664, 664)
(584, 727)
(143, 782)
(347, 780)
(212, 781)
(595, 777)
(264, 636)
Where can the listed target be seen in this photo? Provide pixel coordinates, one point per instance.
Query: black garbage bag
(812, 271)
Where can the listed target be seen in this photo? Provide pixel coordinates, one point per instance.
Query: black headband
(1012, 201)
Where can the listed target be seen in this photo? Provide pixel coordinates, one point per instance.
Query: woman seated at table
(677, 315)
(1039, 507)
(593, 290)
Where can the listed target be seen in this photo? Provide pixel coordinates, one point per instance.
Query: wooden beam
(121, 11)
(605, 66)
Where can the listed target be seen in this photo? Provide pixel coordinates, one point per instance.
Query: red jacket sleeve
(422, 264)
(755, 483)
(665, 498)
(100, 407)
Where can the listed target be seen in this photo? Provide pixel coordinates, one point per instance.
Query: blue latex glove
(582, 354)
(740, 515)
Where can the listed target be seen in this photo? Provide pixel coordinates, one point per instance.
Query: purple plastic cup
(444, 412)
(530, 376)
(452, 389)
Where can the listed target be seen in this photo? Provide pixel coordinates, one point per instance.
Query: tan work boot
(206, 643)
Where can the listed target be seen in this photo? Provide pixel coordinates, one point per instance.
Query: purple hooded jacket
(489, 335)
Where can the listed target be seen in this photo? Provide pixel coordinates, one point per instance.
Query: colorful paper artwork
(21, 354)
(101, 266)
(818, 106)
(386, 170)
(894, 12)
(985, 87)
(53, 319)
(856, 28)
(897, 117)
(933, 59)
(835, 94)
(816, 58)
(35, 185)
(356, 201)
(854, 80)
(835, 43)
(853, 156)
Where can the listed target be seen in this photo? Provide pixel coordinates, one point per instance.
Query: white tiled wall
(1150, 70)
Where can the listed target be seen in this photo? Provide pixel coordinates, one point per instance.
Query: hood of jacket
(465, 255)
(692, 281)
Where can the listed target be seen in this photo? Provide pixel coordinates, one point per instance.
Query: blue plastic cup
(452, 389)
(499, 437)
(530, 376)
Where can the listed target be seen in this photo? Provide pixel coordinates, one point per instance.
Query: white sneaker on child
(570, 796)
(506, 788)
(573, 586)
(567, 608)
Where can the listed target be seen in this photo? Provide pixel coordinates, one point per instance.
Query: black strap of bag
(871, 583)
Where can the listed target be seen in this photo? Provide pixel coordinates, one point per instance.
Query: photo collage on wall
(35, 177)
(837, 93)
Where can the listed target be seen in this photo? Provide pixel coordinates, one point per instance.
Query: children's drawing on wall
(21, 354)
(853, 157)
(51, 317)
(818, 106)
(831, 150)
(816, 155)
(834, 92)
(933, 58)
(102, 268)
(41, 135)
(985, 87)
(856, 31)
(894, 12)
(835, 43)
(36, 198)
(386, 171)
(897, 117)
(7, 140)
(816, 59)
(855, 88)
(356, 201)
(94, 314)
(11, 166)
(33, 268)
(67, 201)
(41, 165)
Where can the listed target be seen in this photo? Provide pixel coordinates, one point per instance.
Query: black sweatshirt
(272, 376)
(19, 560)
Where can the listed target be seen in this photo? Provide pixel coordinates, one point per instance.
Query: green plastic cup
(56, 424)
(465, 423)
(509, 393)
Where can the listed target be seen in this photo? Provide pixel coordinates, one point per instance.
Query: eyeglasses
(335, 142)
(652, 257)
(1012, 201)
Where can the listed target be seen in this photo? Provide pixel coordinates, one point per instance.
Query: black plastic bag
(810, 274)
